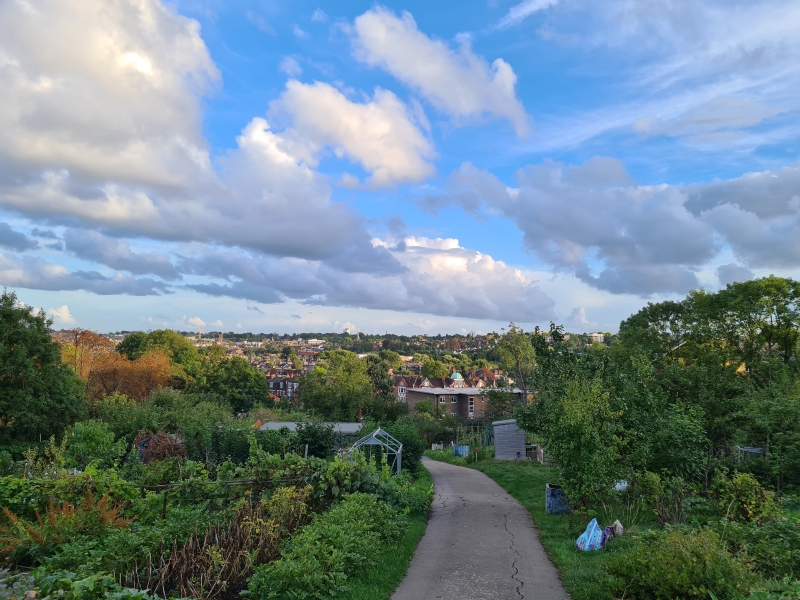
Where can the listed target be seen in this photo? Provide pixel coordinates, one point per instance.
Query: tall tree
(518, 357)
(39, 394)
(338, 387)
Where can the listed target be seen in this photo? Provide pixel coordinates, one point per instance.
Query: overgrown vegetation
(696, 407)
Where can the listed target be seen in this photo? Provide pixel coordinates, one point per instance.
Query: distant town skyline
(414, 168)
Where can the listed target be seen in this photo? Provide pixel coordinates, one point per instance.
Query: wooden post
(164, 508)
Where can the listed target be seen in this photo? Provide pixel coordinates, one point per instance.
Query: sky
(410, 167)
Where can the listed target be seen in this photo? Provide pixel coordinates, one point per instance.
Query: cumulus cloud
(440, 277)
(458, 82)
(62, 315)
(117, 254)
(592, 221)
(519, 12)
(381, 134)
(14, 240)
(39, 274)
(194, 321)
(319, 16)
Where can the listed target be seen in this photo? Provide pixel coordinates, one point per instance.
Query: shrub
(772, 548)
(666, 496)
(325, 553)
(68, 586)
(413, 445)
(740, 497)
(158, 446)
(26, 543)
(91, 441)
(678, 564)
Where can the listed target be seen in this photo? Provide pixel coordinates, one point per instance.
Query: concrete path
(480, 544)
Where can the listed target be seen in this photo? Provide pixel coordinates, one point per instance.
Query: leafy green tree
(39, 395)
(134, 345)
(434, 368)
(338, 386)
(391, 358)
(518, 358)
(233, 380)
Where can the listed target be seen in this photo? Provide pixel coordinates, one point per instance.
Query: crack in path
(514, 564)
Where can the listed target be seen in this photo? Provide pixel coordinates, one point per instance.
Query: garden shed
(509, 440)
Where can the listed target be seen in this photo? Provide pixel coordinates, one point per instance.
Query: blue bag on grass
(591, 539)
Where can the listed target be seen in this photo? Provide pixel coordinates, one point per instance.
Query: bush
(741, 498)
(325, 553)
(771, 548)
(678, 564)
(68, 586)
(413, 445)
(665, 496)
(26, 543)
(91, 441)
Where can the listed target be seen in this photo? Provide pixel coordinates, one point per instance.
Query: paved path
(480, 544)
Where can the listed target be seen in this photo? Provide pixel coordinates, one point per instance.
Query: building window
(483, 398)
(453, 399)
(441, 399)
(472, 407)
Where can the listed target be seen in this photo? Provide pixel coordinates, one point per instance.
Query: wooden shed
(509, 440)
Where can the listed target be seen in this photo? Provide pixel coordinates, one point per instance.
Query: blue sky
(413, 167)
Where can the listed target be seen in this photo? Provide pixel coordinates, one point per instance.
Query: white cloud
(457, 82)
(62, 315)
(194, 321)
(380, 133)
(519, 12)
(319, 16)
(290, 66)
(578, 322)
(115, 98)
(217, 323)
(299, 33)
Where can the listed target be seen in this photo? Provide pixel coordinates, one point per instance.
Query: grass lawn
(391, 565)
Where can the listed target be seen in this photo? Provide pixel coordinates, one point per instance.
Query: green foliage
(92, 441)
(433, 368)
(337, 387)
(318, 436)
(67, 586)
(678, 564)
(666, 496)
(326, 553)
(233, 380)
(582, 440)
(499, 406)
(518, 357)
(39, 395)
(739, 497)
(413, 445)
(771, 548)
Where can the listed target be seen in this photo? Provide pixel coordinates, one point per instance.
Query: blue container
(462, 451)
(555, 500)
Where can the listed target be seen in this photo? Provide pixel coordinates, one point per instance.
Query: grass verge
(391, 563)
(582, 573)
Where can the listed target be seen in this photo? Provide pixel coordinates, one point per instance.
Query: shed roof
(343, 428)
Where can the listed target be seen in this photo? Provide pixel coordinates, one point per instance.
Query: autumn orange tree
(137, 379)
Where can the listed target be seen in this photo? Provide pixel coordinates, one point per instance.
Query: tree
(391, 358)
(235, 381)
(518, 358)
(39, 394)
(80, 348)
(434, 368)
(115, 373)
(181, 352)
(338, 387)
